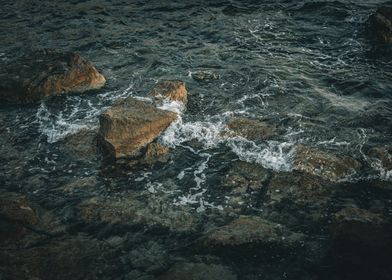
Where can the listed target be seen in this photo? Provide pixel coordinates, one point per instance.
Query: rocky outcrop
(326, 165)
(130, 125)
(380, 24)
(384, 155)
(198, 271)
(205, 76)
(249, 232)
(47, 73)
(173, 90)
(251, 129)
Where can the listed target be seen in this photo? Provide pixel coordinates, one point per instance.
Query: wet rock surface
(326, 165)
(130, 125)
(47, 73)
(380, 24)
(173, 90)
(198, 271)
(205, 76)
(251, 129)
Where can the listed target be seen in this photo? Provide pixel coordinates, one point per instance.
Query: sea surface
(307, 67)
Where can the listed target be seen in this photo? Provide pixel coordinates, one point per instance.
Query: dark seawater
(305, 66)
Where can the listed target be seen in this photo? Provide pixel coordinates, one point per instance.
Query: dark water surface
(305, 66)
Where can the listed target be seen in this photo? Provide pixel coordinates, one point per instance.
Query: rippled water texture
(305, 66)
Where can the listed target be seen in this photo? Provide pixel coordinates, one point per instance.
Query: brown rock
(198, 271)
(156, 153)
(130, 125)
(173, 90)
(380, 24)
(47, 73)
(326, 165)
(205, 76)
(251, 129)
(249, 231)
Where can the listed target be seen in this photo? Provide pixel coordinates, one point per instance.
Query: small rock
(198, 271)
(249, 231)
(380, 24)
(173, 90)
(47, 73)
(130, 125)
(205, 76)
(83, 143)
(326, 165)
(251, 129)
(384, 154)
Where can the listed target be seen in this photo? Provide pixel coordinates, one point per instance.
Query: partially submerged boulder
(173, 90)
(250, 129)
(326, 165)
(206, 76)
(129, 125)
(380, 24)
(384, 155)
(249, 232)
(47, 73)
(198, 271)
(244, 176)
(155, 153)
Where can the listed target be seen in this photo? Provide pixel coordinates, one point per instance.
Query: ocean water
(306, 67)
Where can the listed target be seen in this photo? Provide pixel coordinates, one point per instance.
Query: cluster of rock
(380, 24)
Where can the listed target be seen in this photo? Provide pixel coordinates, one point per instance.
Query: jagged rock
(380, 24)
(251, 129)
(205, 76)
(298, 188)
(244, 176)
(155, 153)
(249, 232)
(47, 73)
(326, 165)
(173, 90)
(198, 271)
(130, 125)
(83, 143)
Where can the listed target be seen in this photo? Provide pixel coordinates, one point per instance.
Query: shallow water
(307, 67)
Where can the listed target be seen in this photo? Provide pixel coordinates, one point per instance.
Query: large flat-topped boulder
(131, 124)
(47, 73)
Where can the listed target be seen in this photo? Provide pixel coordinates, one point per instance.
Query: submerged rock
(326, 165)
(359, 235)
(173, 90)
(47, 73)
(251, 129)
(16, 213)
(198, 271)
(244, 176)
(205, 76)
(380, 24)
(130, 125)
(249, 232)
(298, 188)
